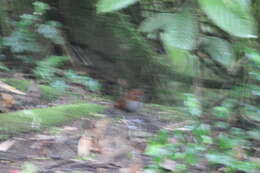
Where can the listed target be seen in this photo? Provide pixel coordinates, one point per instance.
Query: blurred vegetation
(37, 119)
(200, 55)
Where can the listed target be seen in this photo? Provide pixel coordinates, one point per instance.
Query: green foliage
(231, 16)
(104, 6)
(220, 50)
(20, 42)
(30, 29)
(50, 93)
(88, 82)
(193, 105)
(40, 8)
(3, 67)
(217, 141)
(47, 68)
(182, 31)
(59, 85)
(151, 24)
(50, 30)
(221, 112)
(253, 55)
(203, 143)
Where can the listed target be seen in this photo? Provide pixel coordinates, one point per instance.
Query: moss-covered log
(37, 119)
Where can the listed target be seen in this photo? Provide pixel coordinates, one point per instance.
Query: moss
(37, 119)
(49, 93)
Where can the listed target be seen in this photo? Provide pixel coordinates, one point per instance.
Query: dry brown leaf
(100, 127)
(84, 146)
(240, 154)
(136, 167)
(4, 146)
(70, 128)
(113, 146)
(133, 168)
(169, 165)
(7, 100)
(10, 88)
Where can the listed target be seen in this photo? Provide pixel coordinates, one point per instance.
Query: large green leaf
(220, 50)
(156, 22)
(182, 31)
(233, 16)
(182, 60)
(104, 6)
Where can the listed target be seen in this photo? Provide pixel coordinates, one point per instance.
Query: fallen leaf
(84, 146)
(169, 165)
(10, 88)
(69, 128)
(7, 100)
(135, 167)
(100, 127)
(113, 146)
(4, 146)
(43, 137)
(240, 153)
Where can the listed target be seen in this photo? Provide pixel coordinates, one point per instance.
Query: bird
(132, 101)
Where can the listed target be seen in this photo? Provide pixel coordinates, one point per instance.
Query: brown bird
(132, 101)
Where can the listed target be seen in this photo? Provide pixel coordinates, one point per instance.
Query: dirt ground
(113, 143)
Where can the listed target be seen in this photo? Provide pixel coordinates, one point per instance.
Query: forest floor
(113, 142)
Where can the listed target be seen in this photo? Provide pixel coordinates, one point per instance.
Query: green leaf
(232, 162)
(156, 150)
(182, 31)
(227, 142)
(40, 7)
(253, 55)
(220, 50)
(155, 22)
(232, 16)
(3, 67)
(220, 158)
(255, 134)
(202, 130)
(237, 131)
(50, 31)
(245, 166)
(179, 156)
(221, 112)
(221, 125)
(193, 105)
(104, 6)
(206, 139)
(182, 60)
(21, 42)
